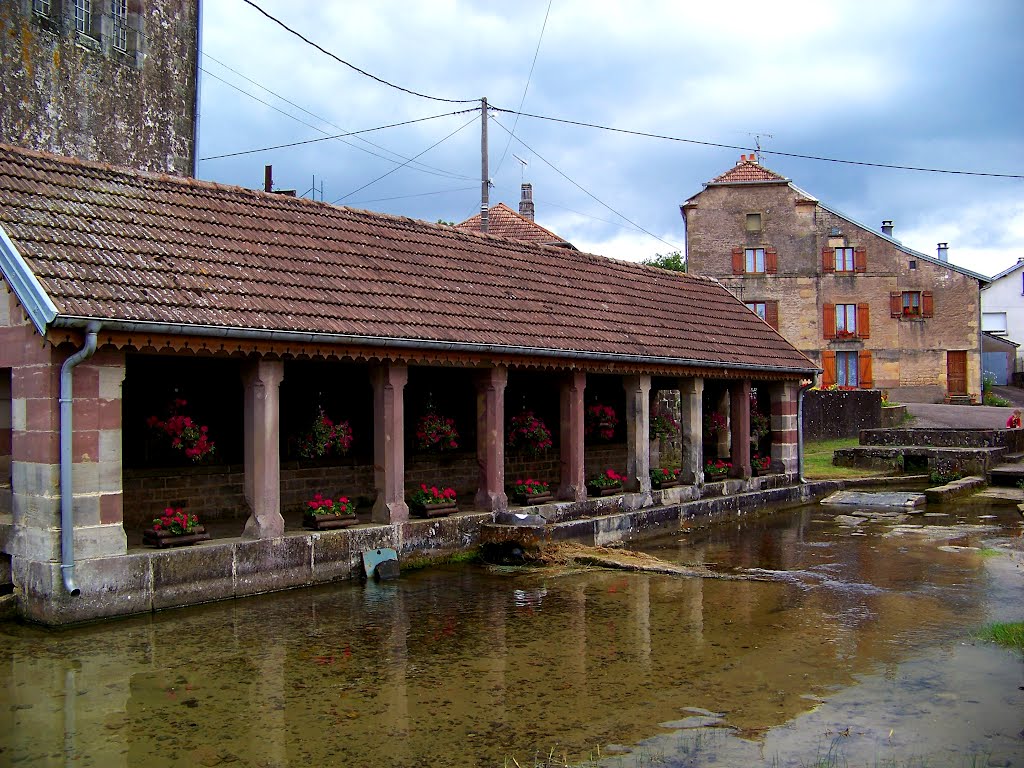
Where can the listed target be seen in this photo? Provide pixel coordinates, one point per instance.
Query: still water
(860, 646)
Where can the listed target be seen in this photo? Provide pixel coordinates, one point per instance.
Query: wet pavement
(860, 646)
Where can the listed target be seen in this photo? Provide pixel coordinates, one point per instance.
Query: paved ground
(929, 415)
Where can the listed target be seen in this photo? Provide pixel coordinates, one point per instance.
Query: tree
(674, 261)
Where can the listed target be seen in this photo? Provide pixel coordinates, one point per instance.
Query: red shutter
(828, 362)
(864, 374)
(771, 261)
(771, 314)
(828, 259)
(896, 304)
(828, 320)
(927, 304)
(737, 261)
(860, 259)
(863, 323)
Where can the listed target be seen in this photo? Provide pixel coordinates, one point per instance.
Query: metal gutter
(41, 311)
(305, 337)
(67, 517)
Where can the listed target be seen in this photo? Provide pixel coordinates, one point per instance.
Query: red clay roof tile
(504, 222)
(747, 170)
(120, 245)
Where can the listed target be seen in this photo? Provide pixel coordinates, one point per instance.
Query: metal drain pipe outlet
(67, 518)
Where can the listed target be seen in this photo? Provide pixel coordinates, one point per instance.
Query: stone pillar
(573, 485)
(638, 442)
(262, 381)
(389, 381)
(739, 425)
(691, 423)
(784, 399)
(490, 439)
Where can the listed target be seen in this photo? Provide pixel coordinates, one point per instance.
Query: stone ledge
(954, 489)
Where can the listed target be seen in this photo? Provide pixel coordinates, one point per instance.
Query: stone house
(100, 80)
(133, 297)
(1002, 316)
(503, 221)
(869, 311)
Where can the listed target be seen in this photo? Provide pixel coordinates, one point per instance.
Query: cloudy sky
(929, 83)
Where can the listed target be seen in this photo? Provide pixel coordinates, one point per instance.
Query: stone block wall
(832, 414)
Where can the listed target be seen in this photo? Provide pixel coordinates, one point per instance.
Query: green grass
(1009, 634)
(818, 460)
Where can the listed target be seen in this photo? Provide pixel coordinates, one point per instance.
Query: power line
(764, 151)
(426, 168)
(405, 197)
(526, 88)
(385, 175)
(328, 138)
(585, 191)
(353, 66)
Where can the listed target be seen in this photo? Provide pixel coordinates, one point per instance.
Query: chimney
(887, 228)
(526, 202)
(943, 251)
(268, 178)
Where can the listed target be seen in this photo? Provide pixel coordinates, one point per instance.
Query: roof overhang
(41, 311)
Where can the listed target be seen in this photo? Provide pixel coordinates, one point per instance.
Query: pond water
(857, 651)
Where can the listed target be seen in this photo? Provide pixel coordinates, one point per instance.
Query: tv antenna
(522, 167)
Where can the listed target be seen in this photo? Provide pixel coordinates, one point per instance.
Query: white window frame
(83, 16)
(759, 308)
(119, 11)
(846, 319)
(845, 260)
(847, 369)
(753, 261)
(997, 328)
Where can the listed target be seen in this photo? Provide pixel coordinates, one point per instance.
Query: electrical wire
(406, 197)
(384, 176)
(749, 149)
(587, 192)
(526, 88)
(353, 66)
(350, 133)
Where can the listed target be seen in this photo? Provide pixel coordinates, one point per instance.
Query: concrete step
(1006, 474)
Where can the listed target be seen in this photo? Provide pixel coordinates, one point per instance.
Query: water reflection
(463, 666)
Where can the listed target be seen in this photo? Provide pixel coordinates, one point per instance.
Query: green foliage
(674, 261)
(1009, 634)
(996, 400)
(941, 478)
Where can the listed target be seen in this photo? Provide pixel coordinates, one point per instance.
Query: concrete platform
(879, 499)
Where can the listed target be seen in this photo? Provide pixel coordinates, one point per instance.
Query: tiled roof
(504, 222)
(130, 249)
(747, 170)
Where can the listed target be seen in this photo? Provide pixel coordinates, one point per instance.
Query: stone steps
(1006, 474)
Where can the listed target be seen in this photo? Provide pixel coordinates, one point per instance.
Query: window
(911, 304)
(844, 259)
(119, 10)
(994, 322)
(767, 311)
(846, 320)
(753, 260)
(42, 7)
(83, 16)
(913, 263)
(846, 369)
(753, 222)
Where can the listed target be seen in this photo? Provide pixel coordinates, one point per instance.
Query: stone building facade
(115, 81)
(870, 311)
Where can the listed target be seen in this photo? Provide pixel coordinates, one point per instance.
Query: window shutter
(771, 314)
(863, 323)
(828, 362)
(828, 320)
(895, 303)
(860, 259)
(828, 259)
(927, 304)
(771, 261)
(864, 373)
(737, 261)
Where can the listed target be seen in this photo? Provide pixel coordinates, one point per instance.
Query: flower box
(166, 538)
(328, 522)
(531, 499)
(594, 490)
(662, 484)
(435, 509)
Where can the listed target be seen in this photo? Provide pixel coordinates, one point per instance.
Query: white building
(1002, 312)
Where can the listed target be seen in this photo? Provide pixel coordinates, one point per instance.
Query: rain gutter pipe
(67, 520)
(304, 337)
(800, 430)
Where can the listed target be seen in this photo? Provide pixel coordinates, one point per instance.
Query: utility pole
(484, 181)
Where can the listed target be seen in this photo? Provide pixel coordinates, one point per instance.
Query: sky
(924, 83)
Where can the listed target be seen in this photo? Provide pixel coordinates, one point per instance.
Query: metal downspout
(67, 521)
(800, 431)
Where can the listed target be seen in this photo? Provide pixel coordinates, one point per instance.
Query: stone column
(573, 485)
(262, 380)
(784, 398)
(389, 381)
(490, 439)
(691, 422)
(739, 424)
(638, 443)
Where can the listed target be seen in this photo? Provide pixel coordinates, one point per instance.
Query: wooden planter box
(163, 539)
(710, 478)
(328, 522)
(595, 491)
(536, 498)
(434, 510)
(661, 484)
